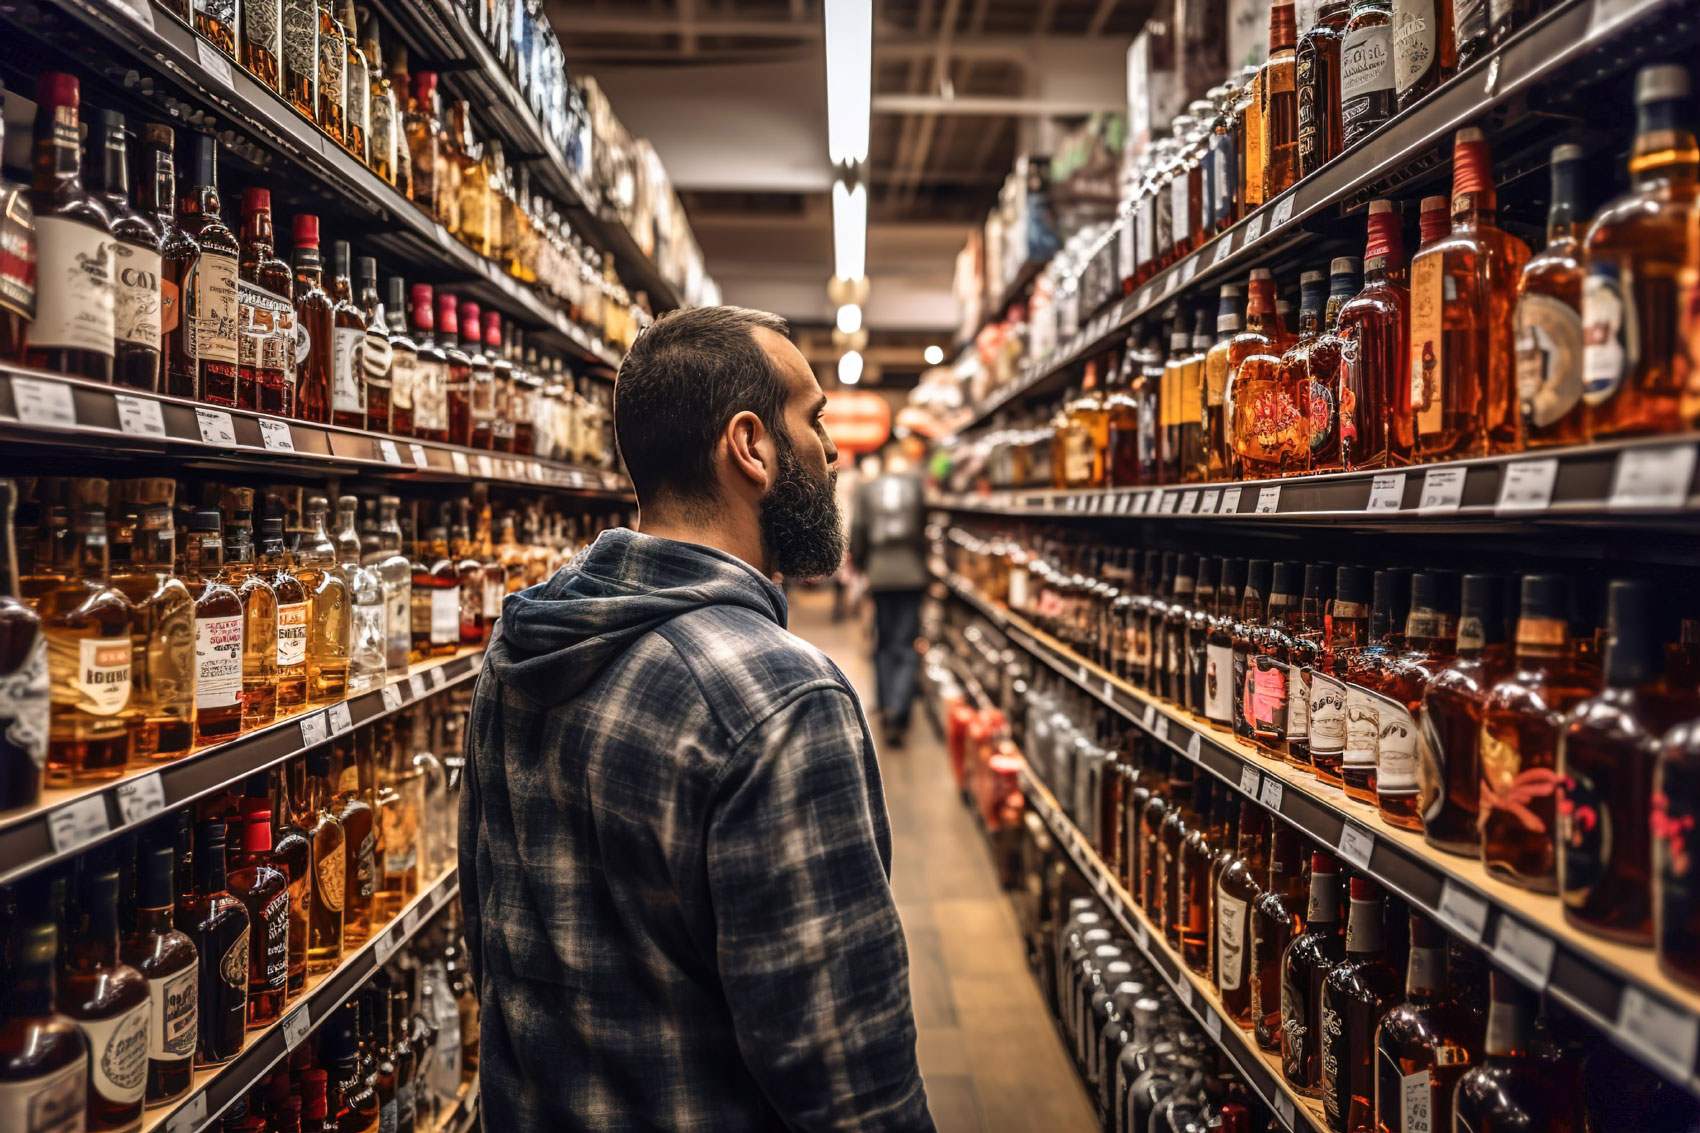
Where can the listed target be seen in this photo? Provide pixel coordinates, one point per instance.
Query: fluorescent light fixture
(850, 368)
(849, 230)
(850, 318)
(849, 78)
(933, 355)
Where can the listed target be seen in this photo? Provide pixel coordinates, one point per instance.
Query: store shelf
(1013, 290)
(84, 417)
(155, 59)
(1616, 987)
(216, 1088)
(1410, 145)
(70, 820)
(1645, 475)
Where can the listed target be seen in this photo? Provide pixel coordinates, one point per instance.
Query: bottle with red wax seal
(1374, 410)
(315, 320)
(209, 289)
(431, 378)
(457, 388)
(265, 314)
(480, 383)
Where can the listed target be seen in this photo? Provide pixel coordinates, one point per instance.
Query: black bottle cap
(366, 270)
(1319, 581)
(1258, 574)
(1632, 654)
(1483, 599)
(1352, 584)
(1392, 589)
(211, 834)
(1435, 591)
(397, 300)
(205, 520)
(341, 254)
(1233, 575)
(1186, 565)
(1209, 570)
(205, 159)
(1545, 596)
(1286, 579)
(109, 120)
(154, 880)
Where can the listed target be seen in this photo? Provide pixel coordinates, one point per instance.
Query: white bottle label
(404, 375)
(53, 1103)
(1395, 749)
(218, 661)
(1413, 41)
(1298, 702)
(136, 297)
(210, 307)
(75, 295)
(1414, 1094)
(333, 879)
(25, 703)
(292, 634)
(445, 616)
(1363, 728)
(1230, 939)
(1327, 715)
(1219, 683)
(348, 391)
(494, 592)
(118, 1054)
(172, 1008)
(1606, 333)
(103, 675)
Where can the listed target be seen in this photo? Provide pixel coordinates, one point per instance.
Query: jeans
(897, 623)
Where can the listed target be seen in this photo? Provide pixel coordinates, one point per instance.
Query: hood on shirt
(555, 638)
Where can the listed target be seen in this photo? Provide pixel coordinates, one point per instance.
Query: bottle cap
(305, 229)
(1319, 581)
(492, 328)
(1262, 275)
(1364, 889)
(1352, 584)
(205, 159)
(109, 120)
(366, 270)
(256, 200)
(1662, 82)
(1311, 277)
(1472, 166)
(1566, 153)
(1321, 861)
(1286, 579)
(1386, 232)
(469, 319)
(1435, 219)
(257, 831)
(1632, 654)
(56, 88)
(1435, 591)
(1545, 596)
(1344, 265)
(340, 255)
(397, 287)
(207, 519)
(424, 84)
(1258, 575)
(1392, 589)
(154, 877)
(447, 319)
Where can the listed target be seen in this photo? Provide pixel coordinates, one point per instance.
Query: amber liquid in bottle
(1260, 344)
(329, 864)
(459, 384)
(209, 289)
(315, 313)
(1355, 995)
(331, 620)
(109, 1000)
(218, 633)
(348, 378)
(157, 196)
(265, 375)
(218, 923)
(88, 626)
(262, 625)
(356, 783)
(1513, 1087)
(263, 890)
(1317, 71)
(1276, 916)
(404, 360)
(1432, 1034)
(1198, 859)
(294, 611)
(1348, 629)
(1363, 677)
(1278, 116)
(1237, 894)
(1305, 965)
(1374, 408)
(333, 76)
(44, 1059)
(1450, 720)
(1549, 319)
(166, 957)
(293, 854)
(23, 665)
(1430, 640)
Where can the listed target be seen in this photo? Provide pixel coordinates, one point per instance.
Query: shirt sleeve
(808, 942)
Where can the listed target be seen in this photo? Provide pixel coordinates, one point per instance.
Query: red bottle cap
(469, 320)
(1363, 889)
(1472, 165)
(446, 319)
(256, 200)
(257, 834)
(1235, 1118)
(420, 300)
(1323, 862)
(1283, 27)
(492, 329)
(313, 1095)
(56, 88)
(1386, 233)
(424, 84)
(1435, 220)
(306, 230)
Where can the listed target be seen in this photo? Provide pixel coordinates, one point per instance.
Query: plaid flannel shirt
(674, 862)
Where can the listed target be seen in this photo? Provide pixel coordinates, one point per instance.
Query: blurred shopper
(675, 854)
(846, 589)
(888, 543)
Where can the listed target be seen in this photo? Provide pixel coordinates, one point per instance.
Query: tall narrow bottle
(265, 310)
(1374, 412)
(261, 48)
(44, 1059)
(156, 195)
(136, 257)
(1549, 318)
(348, 375)
(1449, 721)
(1237, 893)
(1348, 627)
(357, 89)
(1425, 1044)
(376, 356)
(1425, 52)
(263, 890)
(218, 924)
(330, 866)
(315, 314)
(1430, 640)
(1317, 71)
(88, 625)
(431, 378)
(1355, 995)
(300, 68)
(1304, 968)
(360, 837)
(384, 113)
(293, 615)
(209, 317)
(366, 603)
(292, 852)
(396, 575)
(1367, 94)
(218, 632)
(262, 627)
(332, 111)
(1363, 679)
(109, 1000)
(330, 616)
(424, 130)
(1278, 116)
(162, 671)
(404, 360)
(457, 385)
(1276, 916)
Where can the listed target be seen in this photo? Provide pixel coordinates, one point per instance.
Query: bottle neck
(200, 199)
(88, 553)
(157, 922)
(1363, 929)
(58, 145)
(1542, 638)
(95, 944)
(1507, 1029)
(210, 871)
(1664, 150)
(1324, 907)
(309, 268)
(203, 555)
(112, 174)
(1426, 978)
(157, 193)
(258, 235)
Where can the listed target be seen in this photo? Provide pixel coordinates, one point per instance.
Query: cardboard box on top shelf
(1154, 94)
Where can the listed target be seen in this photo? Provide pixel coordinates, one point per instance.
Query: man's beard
(800, 525)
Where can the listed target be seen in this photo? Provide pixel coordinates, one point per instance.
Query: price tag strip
(1463, 912)
(139, 416)
(1524, 952)
(139, 799)
(1653, 478)
(42, 402)
(1386, 492)
(1356, 845)
(1230, 501)
(1527, 486)
(1269, 500)
(216, 427)
(1661, 1034)
(1443, 491)
(77, 823)
(275, 435)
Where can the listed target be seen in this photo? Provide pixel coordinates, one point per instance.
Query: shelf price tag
(339, 718)
(139, 416)
(416, 685)
(437, 677)
(1253, 231)
(1188, 504)
(1443, 491)
(1283, 211)
(1109, 693)
(1248, 781)
(388, 452)
(1142, 937)
(1230, 501)
(44, 403)
(1171, 500)
(77, 823)
(1524, 952)
(1463, 912)
(1188, 270)
(1269, 500)
(1158, 499)
(1224, 249)
(1270, 794)
(1386, 492)
(1662, 1035)
(1124, 503)
(216, 427)
(275, 435)
(1183, 989)
(392, 697)
(214, 63)
(385, 947)
(1194, 747)
(417, 451)
(1653, 477)
(314, 730)
(1150, 716)
(1527, 486)
(1213, 1024)
(1208, 502)
(1284, 1108)
(142, 13)
(296, 1024)
(1356, 845)
(1161, 730)
(1141, 501)
(140, 798)
(458, 459)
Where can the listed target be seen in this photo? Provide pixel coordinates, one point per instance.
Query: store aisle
(989, 1051)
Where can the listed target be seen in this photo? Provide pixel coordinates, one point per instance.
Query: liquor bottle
(1166, 792)
(44, 1058)
(1170, 410)
(161, 710)
(1196, 638)
(366, 634)
(216, 21)
(1220, 689)
(1450, 718)
(300, 61)
(315, 315)
(24, 685)
(473, 630)
(1192, 793)
(1196, 907)
(1374, 411)
(481, 388)
(263, 686)
(136, 257)
(219, 925)
(332, 111)
(293, 609)
(396, 577)
(330, 612)
(1276, 916)
(109, 1000)
(348, 375)
(458, 373)
(1355, 995)
(431, 377)
(1425, 52)
(292, 852)
(218, 632)
(1304, 967)
(376, 354)
(1513, 1087)
(1121, 426)
(1303, 638)
(74, 309)
(1463, 292)
(261, 53)
(1470, 30)
(1348, 625)
(1278, 109)
(1258, 337)
(404, 361)
(1522, 719)
(529, 391)
(1425, 1044)
(406, 1058)
(383, 129)
(1396, 691)
(1633, 358)
(209, 319)
(436, 603)
(1174, 628)
(1237, 892)
(88, 626)
(501, 368)
(329, 865)
(263, 890)
(1246, 625)
(424, 132)
(357, 89)
(1218, 452)
(1549, 315)
(1362, 677)
(1320, 371)
(1367, 70)
(472, 178)
(357, 779)
(1271, 684)
(17, 271)
(265, 310)
(156, 194)
(1317, 70)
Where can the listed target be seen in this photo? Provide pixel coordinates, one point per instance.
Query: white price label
(313, 730)
(1188, 504)
(1653, 477)
(1194, 747)
(1080, 674)
(1230, 501)
(139, 416)
(189, 1114)
(387, 942)
(275, 435)
(1150, 716)
(1171, 500)
(1142, 937)
(1463, 912)
(75, 824)
(296, 1024)
(1386, 492)
(216, 427)
(1248, 781)
(1188, 270)
(1183, 992)
(1356, 845)
(1213, 1024)
(1224, 249)
(1283, 211)
(1208, 502)
(1524, 952)
(142, 13)
(339, 718)
(417, 451)
(388, 452)
(1109, 693)
(438, 677)
(392, 697)
(1141, 502)
(458, 459)
(1271, 792)
(1284, 1109)
(1606, 13)
(410, 923)
(1527, 486)
(1161, 731)
(1159, 502)
(486, 467)
(214, 62)
(1253, 230)
(1269, 500)
(416, 685)
(45, 403)
(140, 798)
(1124, 503)
(1662, 1034)
(1443, 491)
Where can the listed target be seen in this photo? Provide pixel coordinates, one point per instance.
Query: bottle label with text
(75, 295)
(118, 1055)
(210, 300)
(218, 661)
(172, 1009)
(135, 307)
(1549, 358)
(1607, 333)
(102, 668)
(348, 392)
(292, 634)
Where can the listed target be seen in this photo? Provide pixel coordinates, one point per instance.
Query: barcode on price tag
(340, 719)
(1270, 794)
(140, 798)
(1463, 912)
(1208, 502)
(1527, 485)
(44, 403)
(416, 684)
(216, 427)
(417, 452)
(139, 416)
(1524, 952)
(76, 823)
(296, 1024)
(1662, 1034)
(1387, 492)
(1443, 490)
(275, 435)
(1230, 501)
(392, 697)
(1248, 781)
(313, 730)
(1653, 477)
(1356, 845)
(388, 452)
(1269, 500)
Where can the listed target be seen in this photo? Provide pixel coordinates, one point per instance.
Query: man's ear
(751, 455)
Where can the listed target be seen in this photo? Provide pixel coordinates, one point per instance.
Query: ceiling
(732, 94)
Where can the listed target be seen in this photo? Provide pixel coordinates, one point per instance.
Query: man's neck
(742, 545)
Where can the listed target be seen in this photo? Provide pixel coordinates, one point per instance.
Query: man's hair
(684, 378)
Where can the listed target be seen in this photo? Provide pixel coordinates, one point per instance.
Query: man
(888, 544)
(674, 851)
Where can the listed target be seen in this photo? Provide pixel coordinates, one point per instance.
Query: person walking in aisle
(888, 543)
(674, 850)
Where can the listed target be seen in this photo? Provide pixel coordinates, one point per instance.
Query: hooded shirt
(675, 862)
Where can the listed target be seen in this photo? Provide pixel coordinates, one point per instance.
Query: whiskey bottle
(395, 573)
(1355, 995)
(1267, 424)
(1121, 427)
(1317, 67)
(1271, 687)
(357, 89)
(44, 1059)
(161, 711)
(401, 809)
(1276, 915)
(1425, 1044)
(1278, 111)
(481, 379)
(1521, 722)
(406, 1056)
(1513, 1087)
(1424, 51)
(1549, 318)
(424, 130)
(1196, 907)
(1450, 718)
(315, 315)
(1304, 639)
(332, 111)
(1310, 383)
(458, 374)
(1246, 626)
(293, 609)
(1470, 30)
(431, 377)
(1363, 677)
(366, 633)
(330, 608)
(109, 1000)
(265, 313)
(356, 780)
(1193, 793)
(436, 603)
(1237, 893)
(24, 685)
(88, 626)
(1367, 71)
(1220, 691)
(218, 632)
(17, 272)
(300, 57)
(166, 957)
(473, 630)
(1396, 690)
(1324, 371)
(209, 319)
(292, 853)
(263, 890)
(156, 195)
(376, 355)
(136, 257)
(329, 865)
(383, 112)
(1632, 357)
(261, 627)
(216, 21)
(261, 52)
(74, 322)
(1304, 966)
(404, 360)
(1374, 408)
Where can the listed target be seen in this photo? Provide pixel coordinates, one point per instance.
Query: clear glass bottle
(348, 374)
(261, 689)
(366, 637)
(1549, 317)
(161, 710)
(89, 626)
(293, 613)
(404, 360)
(218, 632)
(331, 620)
(396, 576)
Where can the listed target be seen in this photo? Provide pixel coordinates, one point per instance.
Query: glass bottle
(401, 813)
(396, 577)
(1397, 689)
(1276, 916)
(1278, 113)
(1363, 677)
(384, 125)
(1348, 628)
(1449, 720)
(424, 130)
(1317, 71)
(137, 243)
(1304, 967)
(332, 111)
(1218, 450)
(458, 373)
(366, 636)
(263, 890)
(300, 67)
(348, 376)
(1171, 412)
(331, 615)
(156, 195)
(218, 924)
(436, 598)
(1262, 339)
(431, 377)
(376, 356)
(1425, 1044)
(89, 627)
(315, 315)
(1356, 993)
(109, 1000)
(1470, 20)
(24, 684)
(166, 958)
(1303, 639)
(480, 383)
(293, 854)
(265, 311)
(1635, 252)
(473, 630)
(1259, 574)
(261, 55)
(357, 90)
(1318, 370)
(74, 324)
(1197, 906)
(1271, 686)
(329, 865)
(44, 1059)
(263, 683)
(218, 632)
(161, 709)
(1425, 52)
(1513, 1087)
(1367, 70)
(216, 21)
(17, 274)
(209, 316)
(1220, 689)
(1374, 409)
(1549, 318)
(360, 836)
(1192, 792)
(293, 609)
(1237, 893)
(404, 360)
(1521, 723)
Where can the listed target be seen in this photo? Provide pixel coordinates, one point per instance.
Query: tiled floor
(989, 1052)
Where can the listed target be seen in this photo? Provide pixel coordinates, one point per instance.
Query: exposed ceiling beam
(1042, 23)
(989, 106)
(576, 21)
(687, 27)
(1106, 8)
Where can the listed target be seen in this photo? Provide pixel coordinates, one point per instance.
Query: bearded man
(674, 851)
